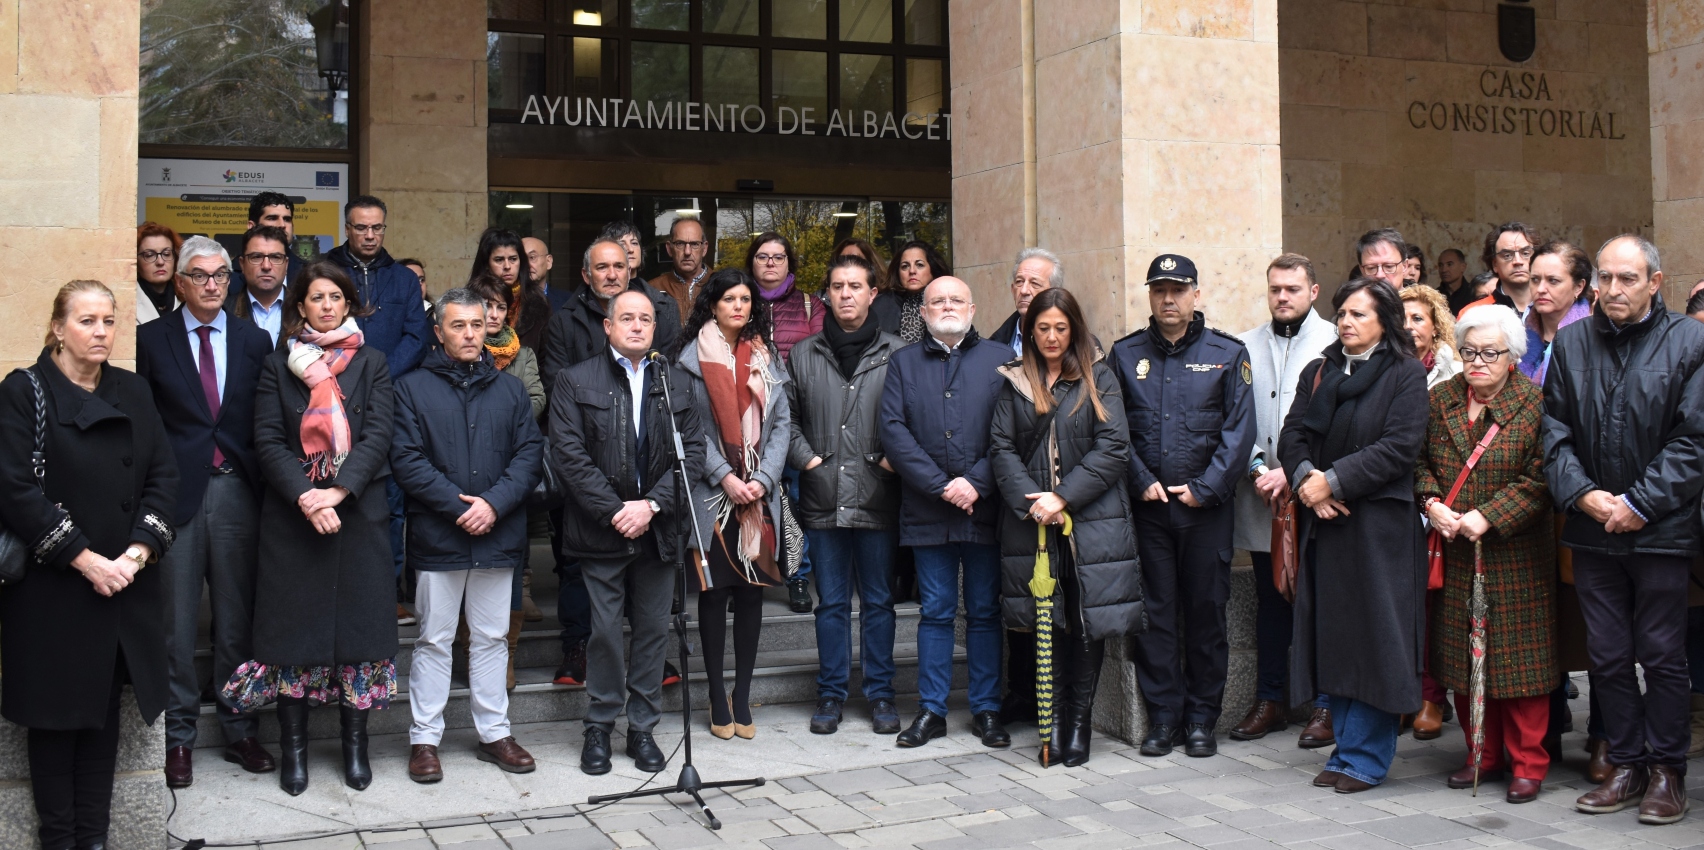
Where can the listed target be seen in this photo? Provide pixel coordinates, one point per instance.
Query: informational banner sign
(210, 197)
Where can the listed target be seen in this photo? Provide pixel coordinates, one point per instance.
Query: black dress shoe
(927, 727)
(251, 755)
(1160, 740)
(180, 770)
(826, 719)
(988, 728)
(594, 757)
(1198, 741)
(643, 748)
(884, 717)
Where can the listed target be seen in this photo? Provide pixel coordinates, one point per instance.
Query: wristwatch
(652, 504)
(135, 554)
(1259, 470)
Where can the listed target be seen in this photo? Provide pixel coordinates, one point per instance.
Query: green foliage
(233, 72)
(814, 228)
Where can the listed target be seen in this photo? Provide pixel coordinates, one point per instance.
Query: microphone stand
(688, 782)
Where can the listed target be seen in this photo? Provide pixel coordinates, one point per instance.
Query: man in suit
(202, 364)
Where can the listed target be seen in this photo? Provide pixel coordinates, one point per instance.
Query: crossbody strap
(1472, 459)
(38, 456)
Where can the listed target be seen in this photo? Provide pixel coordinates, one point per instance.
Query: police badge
(1168, 264)
(1142, 367)
(1247, 373)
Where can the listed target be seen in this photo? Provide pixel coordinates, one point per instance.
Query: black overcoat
(324, 599)
(1361, 600)
(1090, 475)
(110, 465)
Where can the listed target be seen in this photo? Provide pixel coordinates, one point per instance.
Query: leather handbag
(1286, 545)
(15, 555)
(1435, 538)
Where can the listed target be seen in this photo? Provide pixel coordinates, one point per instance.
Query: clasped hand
(1315, 494)
(633, 519)
(318, 505)
(960, 494)
(741, 492)
(1471, 526)
(107, 575)
(1046, 508)
(479, 518)
(1611, 510)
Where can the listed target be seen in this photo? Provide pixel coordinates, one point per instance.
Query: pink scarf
(734, 378)
(317, 359)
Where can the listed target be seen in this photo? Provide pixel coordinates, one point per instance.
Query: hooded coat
(1091, 458)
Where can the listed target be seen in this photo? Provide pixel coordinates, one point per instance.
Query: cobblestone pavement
(1252, 795)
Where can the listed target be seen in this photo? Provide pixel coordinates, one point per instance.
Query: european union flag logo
(325, 179)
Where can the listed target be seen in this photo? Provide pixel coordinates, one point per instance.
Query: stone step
(782, 676)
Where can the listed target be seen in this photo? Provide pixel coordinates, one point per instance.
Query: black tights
(712, 630)
(71, 772)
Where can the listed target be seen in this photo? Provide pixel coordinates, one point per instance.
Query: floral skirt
(369, 684)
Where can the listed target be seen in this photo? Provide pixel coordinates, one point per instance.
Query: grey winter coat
(1093, 457)
(836, 420)
(777, 431)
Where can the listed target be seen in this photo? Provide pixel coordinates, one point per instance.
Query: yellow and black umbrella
(1042, 584)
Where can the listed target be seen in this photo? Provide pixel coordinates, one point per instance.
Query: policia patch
(1247, 373)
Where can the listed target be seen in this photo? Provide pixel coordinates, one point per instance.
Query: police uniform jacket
(1277, 358)
(1189, 407)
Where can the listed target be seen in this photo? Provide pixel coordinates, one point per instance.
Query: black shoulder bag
(15, 554)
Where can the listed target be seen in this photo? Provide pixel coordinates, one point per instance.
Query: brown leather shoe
(1598, 768)
(1326, 779)
(1624, 787)
(1264, 716)
(1665, 798)
(1523, 790)
(1318, 731)
(251, 755)
(423, 763)
(1350, 785)
(1429, 723)
(507, 755)
(1464, 778)
(180, 770)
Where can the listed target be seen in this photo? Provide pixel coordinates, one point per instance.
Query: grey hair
(460, 297)
(1496, 317)
(586, 260)
(1055, 278)
(196, 247)
(1653, 262)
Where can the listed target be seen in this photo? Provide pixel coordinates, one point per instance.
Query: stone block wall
(1675, 38)
(1387, 120)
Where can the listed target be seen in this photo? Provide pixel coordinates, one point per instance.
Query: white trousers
(439, 598)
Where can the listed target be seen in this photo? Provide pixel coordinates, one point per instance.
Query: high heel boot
(292, 745)
(1086, 657)
(357, 773)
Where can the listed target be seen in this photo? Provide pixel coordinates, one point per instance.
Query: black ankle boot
(1086, 657)
(292, 745)
(357, 774)
(1053, 752)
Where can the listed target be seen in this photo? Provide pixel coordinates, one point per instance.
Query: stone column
(422, 121)
(1155, 129)
(68, 78)
(1675, 37)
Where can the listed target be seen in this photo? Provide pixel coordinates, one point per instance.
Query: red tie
(210, 386)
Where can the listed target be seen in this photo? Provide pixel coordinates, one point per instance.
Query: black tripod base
(688, 784)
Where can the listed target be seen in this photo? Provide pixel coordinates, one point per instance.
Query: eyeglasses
(375, 229)
(151, 256)
(683, 245)
(1509, 256)
(1381, 268)
(938, 303)
(200, 278)
(1486, 355)
(770, 259)
(275, 259)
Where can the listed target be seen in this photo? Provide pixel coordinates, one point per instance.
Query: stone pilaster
(1675, 38)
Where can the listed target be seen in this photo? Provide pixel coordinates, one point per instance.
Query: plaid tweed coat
(1507, 486)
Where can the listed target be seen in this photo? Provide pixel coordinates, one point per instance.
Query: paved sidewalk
(1252, 795)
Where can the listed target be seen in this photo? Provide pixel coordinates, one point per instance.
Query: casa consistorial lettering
(1520, 104)
(733, 118)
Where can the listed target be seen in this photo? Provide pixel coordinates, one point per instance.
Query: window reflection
(660, 71)
(866, 20)
(801, 80)
(585, 13)
(730, 75)
(514, 68)
(661, 14)
(734, 17)
(866, 83)
(799, 19)
(923, 22)
(922, 89)
(595, 72)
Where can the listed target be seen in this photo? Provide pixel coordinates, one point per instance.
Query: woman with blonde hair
(1426, 317)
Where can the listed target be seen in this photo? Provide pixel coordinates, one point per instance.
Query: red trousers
(1517, 725)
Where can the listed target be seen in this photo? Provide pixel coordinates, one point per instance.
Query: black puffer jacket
(1624, 412)
(464, 428)
(1094, 457)
(601, 463)
(836, 420)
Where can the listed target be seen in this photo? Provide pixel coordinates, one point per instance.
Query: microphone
(656, 357)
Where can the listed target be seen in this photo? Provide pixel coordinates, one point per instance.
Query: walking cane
(1042, 584)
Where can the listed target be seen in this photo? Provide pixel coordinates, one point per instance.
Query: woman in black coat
(87, 617)
(1350, 445)
(1059, 448)
(325, 591)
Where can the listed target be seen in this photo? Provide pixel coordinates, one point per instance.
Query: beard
(948, 327)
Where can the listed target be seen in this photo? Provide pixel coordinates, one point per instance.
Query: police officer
(1192, 426)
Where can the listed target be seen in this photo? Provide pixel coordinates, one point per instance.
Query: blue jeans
(938, 585)
(1366, 740)
(393, 496)
(790, 477)
(863, 557)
